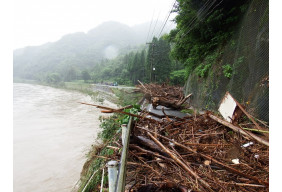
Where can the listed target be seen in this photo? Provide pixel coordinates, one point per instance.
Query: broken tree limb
(174, 104)
(246, 113)
(141, 140)
(149, 152)
(167, 118)
(239, 130)
(188, 169)
(142, 85)
(185, 99)
(228, 168)
(120, 109)
(98, 106)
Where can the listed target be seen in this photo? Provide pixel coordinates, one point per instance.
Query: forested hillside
(224, 46)
(148, 64)
(217, 46)
(64, 60)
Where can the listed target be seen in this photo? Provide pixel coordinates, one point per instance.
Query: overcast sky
(40, 21)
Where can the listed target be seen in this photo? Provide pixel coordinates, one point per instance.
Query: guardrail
(122, 167)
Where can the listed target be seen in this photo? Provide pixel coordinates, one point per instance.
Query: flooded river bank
(52, 133)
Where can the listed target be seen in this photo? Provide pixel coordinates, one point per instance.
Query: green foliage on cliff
(200, 31)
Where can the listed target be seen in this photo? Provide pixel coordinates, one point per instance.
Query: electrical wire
(201, 12)
(167, 18)
(204, 16)
(167, 15)
(152, 36)
(150, 26)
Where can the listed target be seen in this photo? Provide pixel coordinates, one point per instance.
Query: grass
(109, 134)
(127, 97)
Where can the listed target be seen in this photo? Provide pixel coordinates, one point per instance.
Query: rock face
(247, 56)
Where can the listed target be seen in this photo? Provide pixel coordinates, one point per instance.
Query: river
(51, 137)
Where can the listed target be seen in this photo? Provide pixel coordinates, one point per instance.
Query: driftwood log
(168, 96)
(174, 104)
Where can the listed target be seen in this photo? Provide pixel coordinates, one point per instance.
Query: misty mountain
(81, 50)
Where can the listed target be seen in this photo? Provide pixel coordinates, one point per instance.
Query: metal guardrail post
(112, 174)
(123, 133)
(122, 168)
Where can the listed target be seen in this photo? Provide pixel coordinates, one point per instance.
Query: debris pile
(195, 154)
(200, 152)
(164, 95)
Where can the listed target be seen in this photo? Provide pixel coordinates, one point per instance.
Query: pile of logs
(164, 95)
(194, 153)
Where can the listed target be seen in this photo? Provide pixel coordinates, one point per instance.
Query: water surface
(52, 133)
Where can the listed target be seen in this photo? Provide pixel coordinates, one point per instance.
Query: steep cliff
(241, 66)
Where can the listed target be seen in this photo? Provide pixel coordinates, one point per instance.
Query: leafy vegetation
(227, 70)
(110, 133)
(199, 33)
(152, 64)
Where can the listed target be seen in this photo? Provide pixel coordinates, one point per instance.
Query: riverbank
(109, 132)
(52, 133)
(120, 95)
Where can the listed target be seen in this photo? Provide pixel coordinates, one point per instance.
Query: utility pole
(152, 60)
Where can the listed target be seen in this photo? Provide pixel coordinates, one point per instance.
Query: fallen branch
(149, 152)
(120, 109)
(246, 113)
(141, 140)
(213, 160)
(174, 104)
(98, 106)
(238, 129)
(243, 184)
(111, 110)
(188, 169)
(185, 99)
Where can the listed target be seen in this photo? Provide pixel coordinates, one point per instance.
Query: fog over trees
(78, 52)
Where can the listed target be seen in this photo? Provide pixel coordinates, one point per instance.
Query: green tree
(200, 31)
(159, 63)
(53, 78)
(85, 75)
(71, 74)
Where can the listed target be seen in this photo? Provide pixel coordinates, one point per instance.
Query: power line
(167, 15)
(150, 26)
(167, 19)
(199, 12)
(152, 36)
(215, 7)
(204, 16)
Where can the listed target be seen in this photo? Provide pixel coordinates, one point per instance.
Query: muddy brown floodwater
(52, 135)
